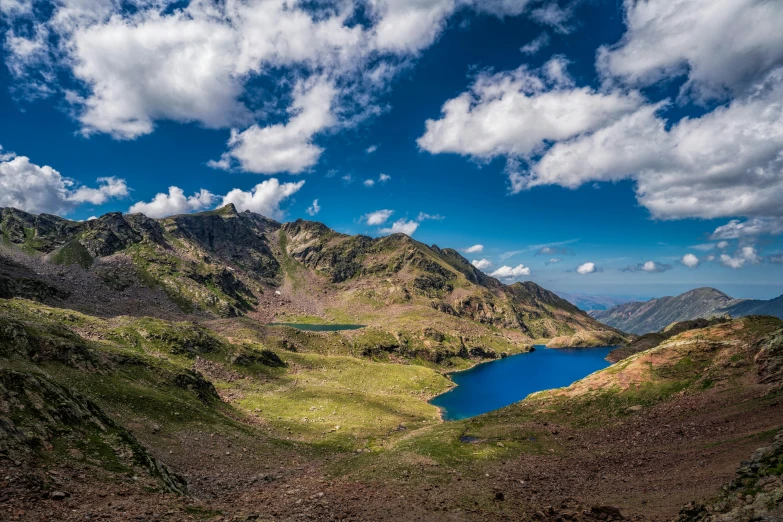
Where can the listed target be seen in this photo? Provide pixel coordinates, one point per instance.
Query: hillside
(656, 314)
(421, 301)
(175, 418)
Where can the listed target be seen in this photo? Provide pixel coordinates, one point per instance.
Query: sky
(597, 146)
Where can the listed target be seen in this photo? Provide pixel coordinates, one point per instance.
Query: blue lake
(496, 384)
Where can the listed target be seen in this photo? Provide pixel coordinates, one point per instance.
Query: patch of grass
(73, 253)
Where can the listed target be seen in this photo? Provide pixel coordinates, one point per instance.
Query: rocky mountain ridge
(224, 263)
(656, 314)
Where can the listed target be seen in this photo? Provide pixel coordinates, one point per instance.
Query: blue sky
(616, 148)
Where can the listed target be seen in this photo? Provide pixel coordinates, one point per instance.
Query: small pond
(320, 327)
(496, 384)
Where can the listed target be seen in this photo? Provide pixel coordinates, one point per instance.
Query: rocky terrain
(225, 264)
(656, 314)
(140, 380)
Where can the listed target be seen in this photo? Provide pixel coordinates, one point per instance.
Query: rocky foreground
(146, 419)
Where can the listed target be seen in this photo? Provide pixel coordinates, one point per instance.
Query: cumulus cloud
(285, 147)
(586, 268)
(314, 209)
(728, 162)
(475, 249)
(401, 226)
(690, 260)
(175, 202)
(722, 245)
(507, 272)
(535, 45)
(736, 229)
(515, 113)
(33, 188)
(124, 67)
(747, 254)
(265, 198)
(371, 149)
(383, 178)
(482, 264)
(649, 267)
(553, 261)
(775, 259)
(369, 183)
(722, 47)
(379, 217)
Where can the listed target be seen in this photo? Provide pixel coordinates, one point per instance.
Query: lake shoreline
(539, 378)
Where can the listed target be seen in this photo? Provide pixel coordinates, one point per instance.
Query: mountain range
(656, 314)
(224, 264)
(142, 378)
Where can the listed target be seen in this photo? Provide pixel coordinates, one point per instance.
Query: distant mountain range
(589, 302)
(656, 314)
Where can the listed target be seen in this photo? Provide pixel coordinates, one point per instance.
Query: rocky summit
(701, 303)
(225, 366)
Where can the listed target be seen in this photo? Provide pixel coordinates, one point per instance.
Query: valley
(202, 367)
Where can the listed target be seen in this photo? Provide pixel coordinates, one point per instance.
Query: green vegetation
(73, 253)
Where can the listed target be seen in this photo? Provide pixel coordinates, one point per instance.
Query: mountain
(588, 302)
(745, 307)
(140, 378)
(423, 301)
(656, 314)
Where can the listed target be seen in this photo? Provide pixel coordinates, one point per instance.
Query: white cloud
(314, 209)
(553, 15)
(124, 67)
(33, 188)
(285, 147)
(423, 216)
(379, 217)
(369, 183)
(175, 202)
(535, 45)
(650, 267)
(690, 261)
(482, 264)
(515, 113)
(371, 149)
(553, 261)
(735, 228)
(728, 162)
(474, 249)
(347, 179)
(744, 255)
(722, 245)
(586, 268)
(721, 46)
(265, 198)
(383, 178)
(401, 226)
(506, 272)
